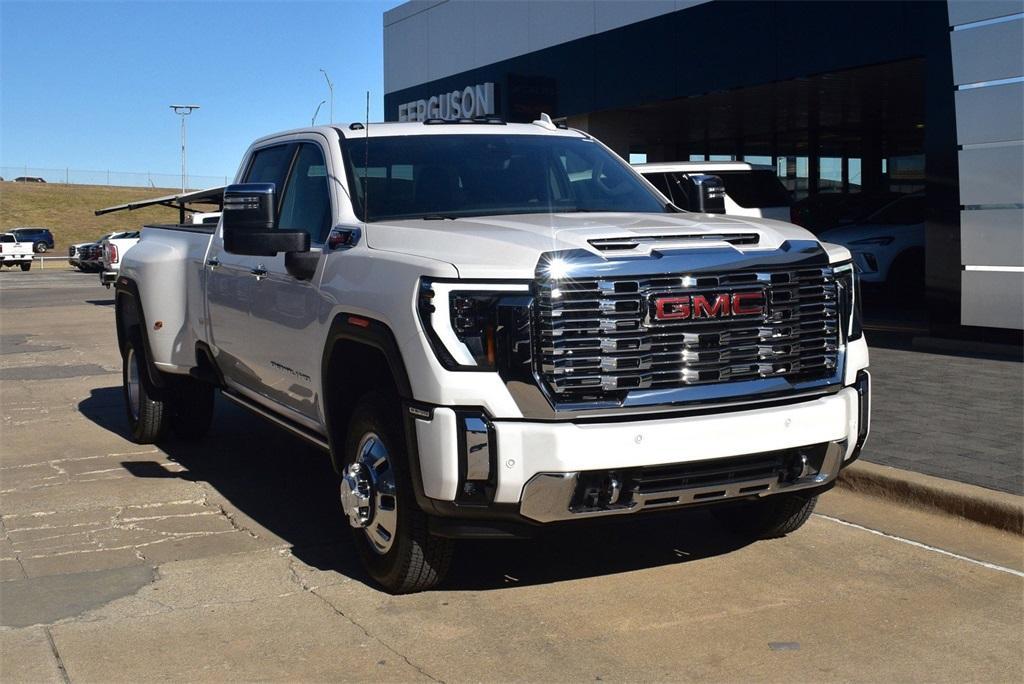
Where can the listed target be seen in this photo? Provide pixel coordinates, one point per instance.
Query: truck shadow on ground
(290, 489)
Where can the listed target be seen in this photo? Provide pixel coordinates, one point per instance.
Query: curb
(986, 506)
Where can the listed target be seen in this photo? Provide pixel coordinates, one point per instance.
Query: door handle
(259, 271)
(213, 262)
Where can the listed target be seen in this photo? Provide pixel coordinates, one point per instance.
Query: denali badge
(707, 306)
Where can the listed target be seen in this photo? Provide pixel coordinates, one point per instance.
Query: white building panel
(988, 53)
(494, 46)
(450, 26)
(993, 237)
(992, 175)
(405, 53)
(992, 114)
(992, 299)
(969, 11)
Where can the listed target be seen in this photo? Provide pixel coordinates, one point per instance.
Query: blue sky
(87, 85)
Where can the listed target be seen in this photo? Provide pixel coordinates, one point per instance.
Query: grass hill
(67, 210)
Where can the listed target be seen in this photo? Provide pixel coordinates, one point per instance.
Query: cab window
(306, 204)
(270, 165)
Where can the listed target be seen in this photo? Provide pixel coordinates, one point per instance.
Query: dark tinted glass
(270, 165)
(480, 175)
(7, 238)
(905, 211)
(307, 201)
(664, 183)
(752, 189)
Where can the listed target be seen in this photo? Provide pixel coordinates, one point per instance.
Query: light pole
(313, 122)
(183, 111)
(330, 86)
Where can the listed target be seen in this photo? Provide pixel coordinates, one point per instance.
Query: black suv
(41, 238)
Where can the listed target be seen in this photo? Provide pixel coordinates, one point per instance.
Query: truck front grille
(601, 336)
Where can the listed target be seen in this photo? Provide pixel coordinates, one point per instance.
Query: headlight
(848, 294)
(873, 241)
(476, 326)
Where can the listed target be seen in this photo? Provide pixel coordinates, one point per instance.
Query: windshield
(453, 176)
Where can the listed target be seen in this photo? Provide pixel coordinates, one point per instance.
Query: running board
(289, 425)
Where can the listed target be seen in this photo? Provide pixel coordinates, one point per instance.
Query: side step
(293, 427)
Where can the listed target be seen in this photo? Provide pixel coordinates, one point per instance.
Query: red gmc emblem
(708, 306)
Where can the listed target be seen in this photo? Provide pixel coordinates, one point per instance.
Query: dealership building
(850, 102)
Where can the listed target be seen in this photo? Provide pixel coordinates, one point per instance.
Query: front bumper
(541, 470)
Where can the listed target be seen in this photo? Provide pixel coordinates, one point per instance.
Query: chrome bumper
(548, 497)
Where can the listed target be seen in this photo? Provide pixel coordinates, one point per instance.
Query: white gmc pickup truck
(492, 328)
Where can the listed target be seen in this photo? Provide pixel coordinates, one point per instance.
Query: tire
(148, 418)
(410, 559)
(26, 265)
(39, 248)
(775, 516)
(191, 409)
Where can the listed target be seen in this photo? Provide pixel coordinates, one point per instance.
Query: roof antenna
(366, 161)
(545, 121)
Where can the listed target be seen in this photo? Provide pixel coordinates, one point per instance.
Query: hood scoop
(650, 242)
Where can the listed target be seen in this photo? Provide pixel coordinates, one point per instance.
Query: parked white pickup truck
(492, 328)
(112, 248)
(15, 253)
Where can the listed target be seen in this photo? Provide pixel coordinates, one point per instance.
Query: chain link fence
(140, 179)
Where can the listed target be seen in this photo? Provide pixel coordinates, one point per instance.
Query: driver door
(286, 339)
(231, 280)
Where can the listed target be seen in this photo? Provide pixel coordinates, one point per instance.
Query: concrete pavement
(230, 560)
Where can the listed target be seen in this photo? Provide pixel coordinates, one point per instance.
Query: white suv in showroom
(750, 190)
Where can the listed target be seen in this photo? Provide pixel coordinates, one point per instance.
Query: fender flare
(378, 336)
(126, 287)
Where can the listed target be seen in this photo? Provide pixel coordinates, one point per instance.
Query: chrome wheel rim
(368, 493)
(132, 366)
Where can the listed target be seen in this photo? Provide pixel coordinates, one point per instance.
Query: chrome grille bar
(598, 336)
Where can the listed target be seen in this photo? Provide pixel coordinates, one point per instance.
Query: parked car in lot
(15, 253)
(493, 329)
(41, 239)
(750, 190)
(29, 179)
(112, 249)
(888, 246)
(91, 259)
(78, 253)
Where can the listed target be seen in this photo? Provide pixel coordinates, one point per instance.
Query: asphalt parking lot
(230, 560)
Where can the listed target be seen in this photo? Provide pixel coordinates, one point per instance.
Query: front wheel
(767, 518)
(389, 529)
(26, 265)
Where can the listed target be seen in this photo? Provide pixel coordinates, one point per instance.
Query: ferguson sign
(471, 101)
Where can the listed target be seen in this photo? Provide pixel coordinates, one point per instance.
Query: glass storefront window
(793, 172)
(830, 174)
(760, 160)
(853, 175)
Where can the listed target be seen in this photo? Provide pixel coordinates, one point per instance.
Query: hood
(511, 246)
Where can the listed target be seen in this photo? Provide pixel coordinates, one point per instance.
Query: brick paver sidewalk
(951, 416)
